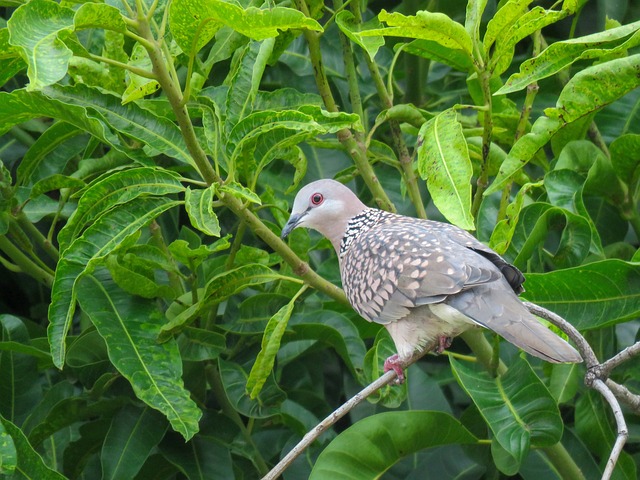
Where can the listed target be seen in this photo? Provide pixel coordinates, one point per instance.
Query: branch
(626, 354)
(596, 378)
(387, 378)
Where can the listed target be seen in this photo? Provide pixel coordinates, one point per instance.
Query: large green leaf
(443, 161)
(21, 105)
(587, 92)
(589, 296)
(195, 22)
(29, 462)
(38, 28)
(245, 81)
(370, 447)
(116, 189)
(561, 54)
(130, 327)
(424, 25)
(134, 432)
(157, 133)
(523, 26)
(517, 406)
(103, 237)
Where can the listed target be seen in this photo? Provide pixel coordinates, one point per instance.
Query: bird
(425, 281)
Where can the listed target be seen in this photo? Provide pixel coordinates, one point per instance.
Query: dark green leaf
(590, 296)
(370, 447)
(130, 327)
(517, 406)
(199, 206)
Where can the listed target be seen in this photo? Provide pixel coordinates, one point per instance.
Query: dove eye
(317, 198)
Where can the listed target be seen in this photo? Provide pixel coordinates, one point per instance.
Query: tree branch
(387, 378)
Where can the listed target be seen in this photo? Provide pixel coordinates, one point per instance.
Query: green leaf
(390, 396)
(8, 453)
(245, 81)
(182, 252)
(18, 371)
(559, 55)
(203, 458)
(523, 26)
(536, 220)
(503, 20)
(37, 158)
(475, 9)
(589, 296)
(241, 192)
(157, 133)
(134, 432)
(99, 15)
(424, 25)
(504, 229)
(36, 27)
(29, 462)
(456, 58)
(55, 182)
(130, 327)
(587, 92)
(517, 406)
(197, 344)
(348, 25)
(443, 161)
(265, 360)
(625, 160)
(136, 279)
(228, 283)
(116, 189)
(234, 380)
(370, 447)
(195, 22)
(199, 206)
(103, 237)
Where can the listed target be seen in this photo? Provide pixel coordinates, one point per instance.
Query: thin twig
(623, 432)
(626, 354)
(623, 394)
(386, 379)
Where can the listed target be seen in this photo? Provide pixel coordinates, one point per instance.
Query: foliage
(150, 152)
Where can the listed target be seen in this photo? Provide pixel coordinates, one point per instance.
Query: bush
(151, 151)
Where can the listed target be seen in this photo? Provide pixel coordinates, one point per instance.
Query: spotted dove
(425, 281)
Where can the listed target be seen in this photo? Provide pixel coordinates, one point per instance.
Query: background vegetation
(155, 326)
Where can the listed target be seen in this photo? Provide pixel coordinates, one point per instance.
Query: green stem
(563, 462)
(158, 240)
(213, 375)
(35, 235)
(483, 179)
(138, 71)
(399, 144)
(25, 263)
(356, 149)
(596, 138)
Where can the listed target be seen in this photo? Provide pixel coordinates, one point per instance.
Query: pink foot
(393, 363)
(443, 344)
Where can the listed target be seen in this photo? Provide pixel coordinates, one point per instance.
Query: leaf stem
(25, 263)
(484, 77)
(136, 70)
(43, 242)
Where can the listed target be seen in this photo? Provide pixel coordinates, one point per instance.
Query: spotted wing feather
(396, 266)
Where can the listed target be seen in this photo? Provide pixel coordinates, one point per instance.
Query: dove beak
(294, 221)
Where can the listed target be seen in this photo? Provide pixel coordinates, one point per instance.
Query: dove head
(326, 206)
